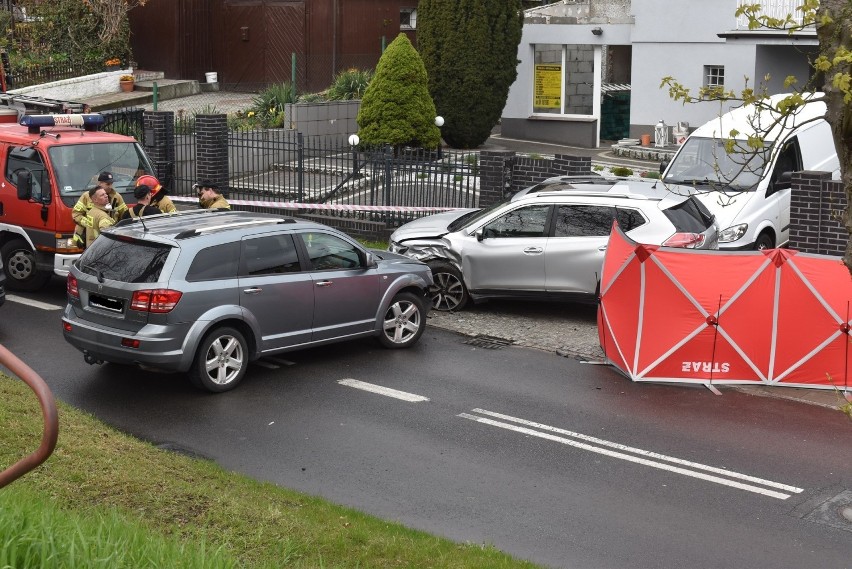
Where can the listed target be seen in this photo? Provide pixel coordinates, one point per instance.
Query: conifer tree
(396, 108)
(470, 51)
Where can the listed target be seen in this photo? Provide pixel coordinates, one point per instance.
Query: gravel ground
(568, 329)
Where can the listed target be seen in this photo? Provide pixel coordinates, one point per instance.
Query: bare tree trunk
(833, 36)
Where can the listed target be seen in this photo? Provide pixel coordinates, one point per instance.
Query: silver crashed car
(547, 241)
(207, 291)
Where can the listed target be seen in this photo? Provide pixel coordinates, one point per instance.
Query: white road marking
(642, 459)
(411, 397)
(33, 303)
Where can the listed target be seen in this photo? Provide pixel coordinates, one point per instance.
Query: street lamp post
(353, 142)
(439, 122)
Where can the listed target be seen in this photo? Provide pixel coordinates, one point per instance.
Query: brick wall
(503, 172)
(817, 204)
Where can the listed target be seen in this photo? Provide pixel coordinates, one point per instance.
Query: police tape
(323, 206)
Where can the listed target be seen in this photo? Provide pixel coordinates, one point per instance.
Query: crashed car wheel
(448, 291)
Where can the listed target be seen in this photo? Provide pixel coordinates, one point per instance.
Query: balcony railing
(773, 8)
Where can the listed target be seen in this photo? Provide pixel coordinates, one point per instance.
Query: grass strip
(108, 492)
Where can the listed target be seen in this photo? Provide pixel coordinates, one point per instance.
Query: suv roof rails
(614, 192)
(200, 230)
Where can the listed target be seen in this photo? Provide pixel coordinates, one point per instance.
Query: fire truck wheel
(19, 264)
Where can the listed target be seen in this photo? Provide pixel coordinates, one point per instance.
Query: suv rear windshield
(690, 216)
(125, 261)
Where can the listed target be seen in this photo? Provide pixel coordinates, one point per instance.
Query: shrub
(268, 106)
(621, 171)
(349, 84)
(396, 108)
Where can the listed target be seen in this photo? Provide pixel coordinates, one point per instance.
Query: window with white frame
(408, 18)
(714, 76)
(564, 79)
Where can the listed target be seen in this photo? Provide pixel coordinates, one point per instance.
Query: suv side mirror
(478, 234)
(370, 261)
(24, 182)
(663, 165)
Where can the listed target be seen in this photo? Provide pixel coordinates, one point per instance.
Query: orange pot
(126, 85)
(645, 139)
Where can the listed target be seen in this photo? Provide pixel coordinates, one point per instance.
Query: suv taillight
(687, 240)
(71, 286)
(160, 300)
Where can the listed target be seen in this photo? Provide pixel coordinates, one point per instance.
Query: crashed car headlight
(395, 247)
(732, 233)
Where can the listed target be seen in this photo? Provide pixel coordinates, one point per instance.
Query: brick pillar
(211, 149)
(495, 176)
(806, 197)
(159, 144)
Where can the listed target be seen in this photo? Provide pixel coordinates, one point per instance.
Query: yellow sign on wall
(548, 86)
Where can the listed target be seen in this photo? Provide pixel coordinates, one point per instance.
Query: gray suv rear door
(275, 290)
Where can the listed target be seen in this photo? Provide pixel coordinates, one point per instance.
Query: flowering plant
(113, 61)
(126, 78)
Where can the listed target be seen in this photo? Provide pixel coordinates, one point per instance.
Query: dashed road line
(33, 303)
(387, 391)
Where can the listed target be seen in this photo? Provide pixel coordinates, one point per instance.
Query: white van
(748, 191)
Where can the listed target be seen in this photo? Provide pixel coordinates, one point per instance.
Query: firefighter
(100, 215)
(142, 208)
(210, 197)
(81, 209)
(159, 199)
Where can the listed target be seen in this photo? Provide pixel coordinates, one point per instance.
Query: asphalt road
(550, 459)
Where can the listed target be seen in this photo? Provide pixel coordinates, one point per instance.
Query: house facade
(254, 43)
(591, 70)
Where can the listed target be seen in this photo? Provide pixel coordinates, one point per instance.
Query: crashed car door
(510, 255)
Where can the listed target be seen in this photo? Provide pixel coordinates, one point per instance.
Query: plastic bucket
(212, 76)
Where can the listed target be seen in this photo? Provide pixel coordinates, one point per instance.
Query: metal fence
(24, 76)
(281, 165)
(128, 121)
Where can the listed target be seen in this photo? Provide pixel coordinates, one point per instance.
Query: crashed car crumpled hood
(429, 226)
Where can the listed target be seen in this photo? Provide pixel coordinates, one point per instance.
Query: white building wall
(676, 38)
(685, 62)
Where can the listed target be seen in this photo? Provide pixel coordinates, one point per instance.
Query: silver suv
(547, 241)
(207, 291)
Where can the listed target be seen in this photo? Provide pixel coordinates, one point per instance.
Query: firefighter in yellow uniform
(84, 204)
(209, 196)
(159, 199)
(99, 216)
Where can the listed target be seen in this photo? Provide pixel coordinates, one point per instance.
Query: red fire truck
(46, 163)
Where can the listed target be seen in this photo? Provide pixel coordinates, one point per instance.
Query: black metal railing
(35, 74)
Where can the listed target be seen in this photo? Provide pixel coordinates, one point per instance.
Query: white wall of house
(676, 38)
(685, 62)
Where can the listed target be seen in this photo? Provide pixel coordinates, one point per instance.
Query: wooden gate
(258, 38)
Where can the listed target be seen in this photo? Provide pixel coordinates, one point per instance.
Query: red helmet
(151, 182)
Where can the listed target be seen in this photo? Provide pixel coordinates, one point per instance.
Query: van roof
(747, 120)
